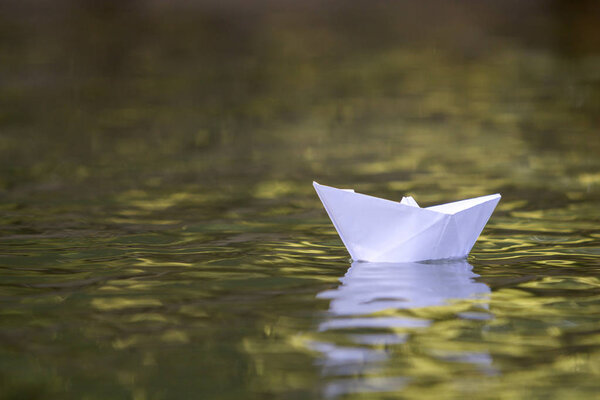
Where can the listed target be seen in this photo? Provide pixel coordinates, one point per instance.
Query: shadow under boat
(361, 319)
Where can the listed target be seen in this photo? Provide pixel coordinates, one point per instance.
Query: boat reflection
(366, 319)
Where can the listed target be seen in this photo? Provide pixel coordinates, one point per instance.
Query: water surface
(160, 237)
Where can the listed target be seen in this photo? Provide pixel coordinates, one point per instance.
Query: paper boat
(379, 230)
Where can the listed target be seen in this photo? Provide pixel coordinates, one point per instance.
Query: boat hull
(379, 230)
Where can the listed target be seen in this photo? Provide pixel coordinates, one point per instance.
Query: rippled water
(160, 237)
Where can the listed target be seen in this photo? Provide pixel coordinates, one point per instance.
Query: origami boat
(379, 230)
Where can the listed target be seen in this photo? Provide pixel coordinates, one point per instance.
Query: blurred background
(160, 236)
(224, 92)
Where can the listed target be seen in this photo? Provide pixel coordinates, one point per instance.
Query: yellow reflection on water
(118, 303)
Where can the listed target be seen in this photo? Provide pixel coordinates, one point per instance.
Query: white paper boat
(379, 230)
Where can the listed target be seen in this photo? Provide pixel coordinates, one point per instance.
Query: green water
(160, 237)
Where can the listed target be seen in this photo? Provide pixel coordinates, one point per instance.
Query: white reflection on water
(370, 288)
